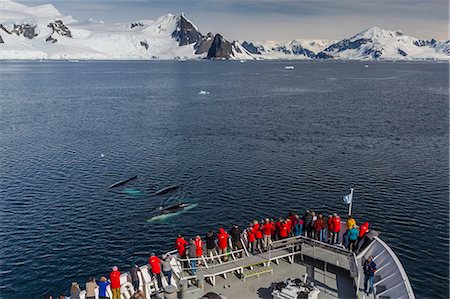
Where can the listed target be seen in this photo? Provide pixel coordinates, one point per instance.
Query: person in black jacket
(307, 223)
(211, 244)
(235, 234)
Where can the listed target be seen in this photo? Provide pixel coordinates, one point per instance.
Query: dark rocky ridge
(220, 48)
(204, 44)
(253, 49)
(186, 33)
(27, 30)
(1, 40)
(59, 28)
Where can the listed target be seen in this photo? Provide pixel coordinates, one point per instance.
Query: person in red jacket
(336, 228)
(267, 233)
(198, 248)
(181, 244)
(319, 227)
(154, 266)
(284, 230)
(258, 234)
(251, 239)
(330, 228)
(222, 243)
(363, 230)
(114, 277)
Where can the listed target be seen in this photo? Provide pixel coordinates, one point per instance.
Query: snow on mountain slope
(376, 43)
(43, 32)
(36, 32)
(296, 49)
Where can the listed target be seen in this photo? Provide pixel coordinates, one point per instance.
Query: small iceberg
(203, 92)
(366, 65)
(289, 67)
(102, 155)
(243, 61)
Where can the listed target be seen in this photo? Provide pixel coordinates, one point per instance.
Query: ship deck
(333, 283)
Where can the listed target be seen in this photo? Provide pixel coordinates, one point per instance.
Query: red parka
(181, 244)
(250, 236)
(155, 264)
(257, 231)
(363, 229)
(284, 230)
(267, 229)
(198, 247)
(336, 224)
(319, 225)
(114, 276)
(222, 238)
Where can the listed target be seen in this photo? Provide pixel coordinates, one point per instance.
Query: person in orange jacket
(154, 266)
(114, 277)
(222, 243)
(181, 244)
(336, 228)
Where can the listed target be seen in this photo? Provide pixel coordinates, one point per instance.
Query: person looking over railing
(114, 277)
(222, 243)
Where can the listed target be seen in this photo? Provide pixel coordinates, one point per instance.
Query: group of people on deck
(258, 236)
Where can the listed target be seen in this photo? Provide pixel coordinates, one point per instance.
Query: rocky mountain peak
(186, 32)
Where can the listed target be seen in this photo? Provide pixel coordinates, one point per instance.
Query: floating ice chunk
(243, 61)
(203, 92)
(366, 65)
(102, 155)
(289, 67)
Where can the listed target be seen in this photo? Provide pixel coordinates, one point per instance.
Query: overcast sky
(275, 19)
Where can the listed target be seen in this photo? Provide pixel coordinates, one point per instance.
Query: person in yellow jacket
(350, 222)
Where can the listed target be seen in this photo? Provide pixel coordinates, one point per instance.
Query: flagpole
(351, 202)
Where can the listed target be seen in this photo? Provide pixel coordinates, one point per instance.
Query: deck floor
(334, 283)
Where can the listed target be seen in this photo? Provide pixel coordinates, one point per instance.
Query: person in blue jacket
(369, 271)
(102, 285)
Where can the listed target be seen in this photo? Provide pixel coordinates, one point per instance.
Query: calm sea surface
(264, 140)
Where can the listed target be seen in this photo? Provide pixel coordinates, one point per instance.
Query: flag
(348, 198)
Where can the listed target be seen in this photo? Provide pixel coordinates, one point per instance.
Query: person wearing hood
(363, 230)
(222, 243)
(75, 291)
(114, 277)
(180, 244)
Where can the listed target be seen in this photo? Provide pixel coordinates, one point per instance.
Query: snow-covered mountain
(376, 43)
(296, 49)
(42, 32)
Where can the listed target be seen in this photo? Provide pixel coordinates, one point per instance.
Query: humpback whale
(167, 189)
(123, 182)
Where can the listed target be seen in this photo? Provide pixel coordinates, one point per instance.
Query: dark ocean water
(263, 141)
